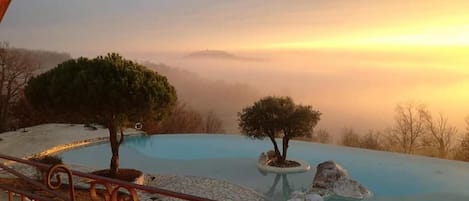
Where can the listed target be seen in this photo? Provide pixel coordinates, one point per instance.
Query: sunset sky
(80, 26)
(420, 47)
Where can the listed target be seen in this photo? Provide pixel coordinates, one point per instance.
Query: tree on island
(275, 117)
(108, 90)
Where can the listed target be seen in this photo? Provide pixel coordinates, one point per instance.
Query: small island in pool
(267, 163)
(278, 117)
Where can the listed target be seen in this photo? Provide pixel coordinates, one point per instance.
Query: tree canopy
(101, 89)
(109, 90)
(274, 117)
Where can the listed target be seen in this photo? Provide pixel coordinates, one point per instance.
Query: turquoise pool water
(233, 158)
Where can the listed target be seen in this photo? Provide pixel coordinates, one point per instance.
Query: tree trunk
(442, 149)
(284, 149)
(114, 168)
(277, 151)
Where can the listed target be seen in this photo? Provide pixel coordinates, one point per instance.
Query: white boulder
(332, 179)
(300, 196)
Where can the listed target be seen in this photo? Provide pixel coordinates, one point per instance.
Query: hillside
(225, 99)
(219, 55)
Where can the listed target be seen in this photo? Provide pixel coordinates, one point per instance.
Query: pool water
(233, 158)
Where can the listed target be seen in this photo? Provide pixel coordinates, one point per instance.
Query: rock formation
(332, 179)
(300, 196)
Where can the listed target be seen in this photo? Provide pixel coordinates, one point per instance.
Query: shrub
(49, 160)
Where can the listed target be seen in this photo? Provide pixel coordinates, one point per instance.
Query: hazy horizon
(359, 96)
(353, 61)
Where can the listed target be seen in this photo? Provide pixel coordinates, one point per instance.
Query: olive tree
(109, 90)
(274, 117)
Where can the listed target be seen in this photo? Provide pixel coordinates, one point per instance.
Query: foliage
(274, 117)
(321, 136)
(109, 90)
(462, 152)
(212, 123)
(23, 113)
(350, 138)
(371, 140)
(48, 159)
(184, 119)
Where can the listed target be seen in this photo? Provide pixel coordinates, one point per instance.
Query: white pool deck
(52, 138)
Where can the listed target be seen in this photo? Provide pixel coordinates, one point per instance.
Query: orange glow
(456, 35)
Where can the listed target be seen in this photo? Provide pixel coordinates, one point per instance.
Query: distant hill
(220, 55)
(223, 98)
(46, 60)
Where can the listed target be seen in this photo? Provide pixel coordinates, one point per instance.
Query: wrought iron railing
(53, 185)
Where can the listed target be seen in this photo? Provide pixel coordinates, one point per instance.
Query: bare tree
(321, 136)
(350, 138)
(462, 151)
(410, 126)
(183, 119)
(441, 134)
(467, 124)
(371, 140)
(212, 123)
(16, 67)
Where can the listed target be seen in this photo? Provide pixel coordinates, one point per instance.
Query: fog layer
(352, 89)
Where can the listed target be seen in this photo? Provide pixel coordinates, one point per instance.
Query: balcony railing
(58, 184)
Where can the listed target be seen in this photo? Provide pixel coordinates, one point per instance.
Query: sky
(347, 57)
(151, 25)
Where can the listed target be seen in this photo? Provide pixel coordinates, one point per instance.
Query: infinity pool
(391, 177)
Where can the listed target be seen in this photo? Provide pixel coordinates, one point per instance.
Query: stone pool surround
(47, 139)
(304, 166)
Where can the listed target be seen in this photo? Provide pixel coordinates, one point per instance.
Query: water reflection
(233, 159)
(286, 189)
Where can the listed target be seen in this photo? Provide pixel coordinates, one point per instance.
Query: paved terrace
(52, 138)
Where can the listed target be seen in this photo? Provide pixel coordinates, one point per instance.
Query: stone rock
(300, 196)
(313, 197)
(332, 179)
(262, 158)
(267, 157)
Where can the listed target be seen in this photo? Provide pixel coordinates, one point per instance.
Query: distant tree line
(415, 131)
(18, 65)
(184, 119)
